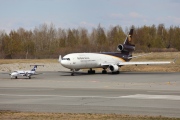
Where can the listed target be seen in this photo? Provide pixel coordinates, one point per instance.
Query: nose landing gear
(72, 74)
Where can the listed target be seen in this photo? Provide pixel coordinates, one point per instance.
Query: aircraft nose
(13, 74)
(63, 63)
(66, 64)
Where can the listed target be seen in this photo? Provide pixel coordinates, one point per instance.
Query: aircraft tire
(91, 71)
(117, 72)
(104, 72)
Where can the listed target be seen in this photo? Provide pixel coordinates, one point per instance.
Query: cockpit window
(66, 59)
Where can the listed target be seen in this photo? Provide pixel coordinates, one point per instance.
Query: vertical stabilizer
(35, 67)
(128, 39)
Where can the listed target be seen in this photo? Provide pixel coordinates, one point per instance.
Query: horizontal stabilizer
(138, 56)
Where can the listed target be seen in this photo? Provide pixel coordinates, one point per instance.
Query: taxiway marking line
(136, 96)
(145, 96)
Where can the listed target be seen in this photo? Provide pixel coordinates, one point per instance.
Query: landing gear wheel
(72, 74)
(16, 77)
(104, 72)
(29, 77)
(117, 72)
(91, 71)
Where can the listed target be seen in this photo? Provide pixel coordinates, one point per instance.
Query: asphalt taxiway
(135, 93)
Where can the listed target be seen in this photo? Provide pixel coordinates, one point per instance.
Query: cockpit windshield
(66, 59)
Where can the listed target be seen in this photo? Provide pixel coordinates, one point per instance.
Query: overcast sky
(29, 14)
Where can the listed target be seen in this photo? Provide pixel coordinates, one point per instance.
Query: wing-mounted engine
(124, 47)
(77, 69)
(114, 68)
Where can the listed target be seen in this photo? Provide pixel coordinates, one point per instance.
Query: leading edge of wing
(144, 63)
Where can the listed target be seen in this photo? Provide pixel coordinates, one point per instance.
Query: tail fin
(35, 67)
(127, 47)
(128, 39)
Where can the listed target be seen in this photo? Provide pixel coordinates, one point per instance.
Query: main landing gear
(90, 71)
(104, 71)
(117, 72)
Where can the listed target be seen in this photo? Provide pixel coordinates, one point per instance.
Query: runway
(134, 93)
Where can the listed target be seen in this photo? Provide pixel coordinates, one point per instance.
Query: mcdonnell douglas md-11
(104, 60)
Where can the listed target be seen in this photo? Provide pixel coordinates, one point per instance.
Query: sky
(88, 14)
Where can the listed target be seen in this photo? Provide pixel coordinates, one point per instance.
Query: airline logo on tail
(129, 38)
(35, 67)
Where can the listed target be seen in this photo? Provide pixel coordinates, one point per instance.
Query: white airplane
(111, 60)
(27, 73)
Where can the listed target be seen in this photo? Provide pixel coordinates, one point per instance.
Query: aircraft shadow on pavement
(68, 73)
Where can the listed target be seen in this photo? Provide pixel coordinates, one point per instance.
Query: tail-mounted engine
(127, 46)
(124, 47)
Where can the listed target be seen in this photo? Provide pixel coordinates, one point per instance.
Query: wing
(135, 63)
(144, 63)
(31, 74)
(107, 64)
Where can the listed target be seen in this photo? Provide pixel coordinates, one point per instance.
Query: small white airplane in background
(111, 60)
(27, 73)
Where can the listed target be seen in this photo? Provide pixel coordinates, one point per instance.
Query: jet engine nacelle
(77, 69)
(114, 68)
(124, 47)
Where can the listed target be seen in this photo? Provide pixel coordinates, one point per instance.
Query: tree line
(47, 41)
